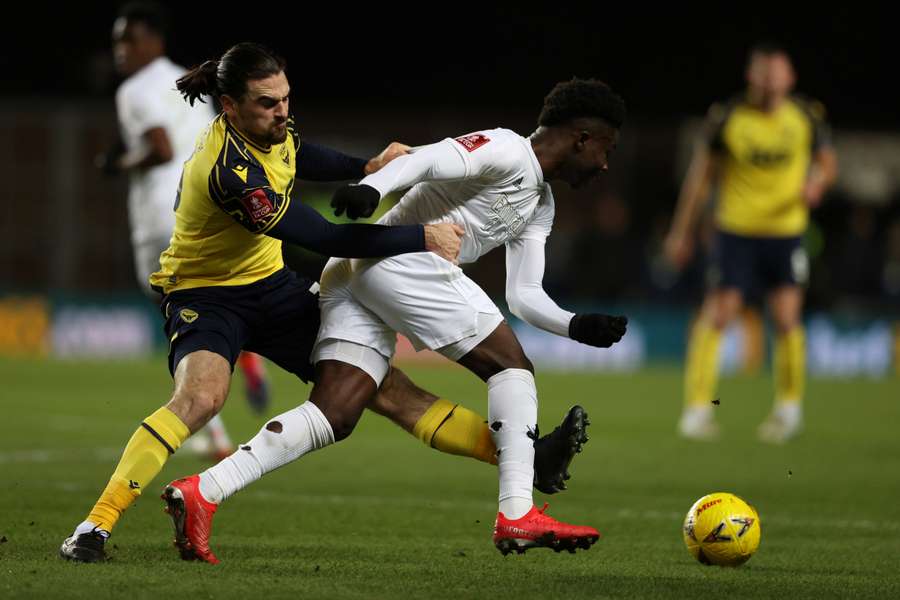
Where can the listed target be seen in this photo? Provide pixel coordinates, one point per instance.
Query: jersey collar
(242, 137)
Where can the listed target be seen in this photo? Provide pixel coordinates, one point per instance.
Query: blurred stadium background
(66, 276)
(77, 336)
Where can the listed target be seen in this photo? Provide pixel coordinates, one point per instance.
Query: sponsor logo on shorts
(473, 141)
(188, 315)
(257, 205)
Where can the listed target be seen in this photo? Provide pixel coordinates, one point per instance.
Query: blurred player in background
(159, 130)
(769, 155)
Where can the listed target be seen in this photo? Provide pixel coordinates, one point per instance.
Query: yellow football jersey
(231, 193)
(766, 159)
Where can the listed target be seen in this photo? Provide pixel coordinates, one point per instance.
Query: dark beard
(277, 138)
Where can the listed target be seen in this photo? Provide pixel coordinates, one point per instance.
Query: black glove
(357, 200)
(108, 162)
(597, 330)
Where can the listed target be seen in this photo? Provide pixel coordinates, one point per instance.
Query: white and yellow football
(721, 529)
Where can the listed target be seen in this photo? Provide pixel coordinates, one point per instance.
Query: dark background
(420, 72)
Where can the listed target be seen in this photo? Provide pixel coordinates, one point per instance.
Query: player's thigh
(288, 323)
(499, 351)
(207, 319)
(425, 298)
(146, 262)
(735, 263)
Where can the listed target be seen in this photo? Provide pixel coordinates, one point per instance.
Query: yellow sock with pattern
(455, 429)
(147, 451)
(701, 375)
(789, 366)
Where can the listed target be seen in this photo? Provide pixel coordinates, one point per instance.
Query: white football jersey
(146, 100)
(501, 197)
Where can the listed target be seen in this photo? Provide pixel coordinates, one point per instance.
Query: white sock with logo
(512, 417)
(283, 439)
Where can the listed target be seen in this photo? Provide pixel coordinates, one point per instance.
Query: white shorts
(422, 296)
(146, 262)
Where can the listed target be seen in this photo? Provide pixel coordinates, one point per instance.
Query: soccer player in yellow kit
(770, 157)
(225, 289)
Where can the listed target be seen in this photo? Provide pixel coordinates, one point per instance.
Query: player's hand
(393, 150)
(678, 249)
(597, 330)
(359, 200)
(444, 239)
(109, 162)
(813, 191)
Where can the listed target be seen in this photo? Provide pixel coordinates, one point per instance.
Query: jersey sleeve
(140, 110)
(714, 127)
(821, 131)
(541, 223)
(239, 186)
(434, 162)
(452, 159)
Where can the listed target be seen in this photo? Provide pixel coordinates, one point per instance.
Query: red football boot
(539, 530)
(192, 515)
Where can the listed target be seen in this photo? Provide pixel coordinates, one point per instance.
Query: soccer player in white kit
(159, 130)
(493, 183)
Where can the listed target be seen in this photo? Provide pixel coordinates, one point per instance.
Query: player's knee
(205, 404)
(342, 423)
(785, 326)
(514, 360)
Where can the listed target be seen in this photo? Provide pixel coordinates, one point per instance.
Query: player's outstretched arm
(305, 227)
(527, 300)
(251, 201)
(435, 162)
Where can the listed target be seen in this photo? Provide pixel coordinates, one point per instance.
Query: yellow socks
(455, 429)
(789, 366)
(702, 369)
(147, 451)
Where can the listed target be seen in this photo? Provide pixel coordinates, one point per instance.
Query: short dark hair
(151, 14)
(579, 98)
(229, 75)
(766, 48)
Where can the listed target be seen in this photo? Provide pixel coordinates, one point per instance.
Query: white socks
(218, 434)
(512, 414)
(283, 439)
(790, 413)
(89, 526)
(212, 438)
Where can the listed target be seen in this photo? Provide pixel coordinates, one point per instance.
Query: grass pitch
(381, 516)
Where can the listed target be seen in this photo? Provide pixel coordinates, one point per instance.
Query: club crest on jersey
(285, 156)
(188, 315)
(257, 205)
(473, 141)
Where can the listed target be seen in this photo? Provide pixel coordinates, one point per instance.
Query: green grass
(380, 516)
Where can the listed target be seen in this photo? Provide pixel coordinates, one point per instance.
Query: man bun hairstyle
(229, 75)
